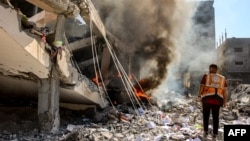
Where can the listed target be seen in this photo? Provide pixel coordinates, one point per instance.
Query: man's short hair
(213, 66)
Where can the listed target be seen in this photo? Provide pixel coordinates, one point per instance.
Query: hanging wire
(128, 85)
(124, 77)
(97, 66)
(95, 59)
(137, 82)
(111, 52)
(97, 69)
(120, 69)
(129, 82)
(72, 59)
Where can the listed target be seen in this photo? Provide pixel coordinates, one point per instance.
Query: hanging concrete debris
(65, 7)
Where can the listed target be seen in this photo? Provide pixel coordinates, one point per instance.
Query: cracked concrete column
(48, 92)
(48, 104)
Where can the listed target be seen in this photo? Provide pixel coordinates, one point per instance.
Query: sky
(232, 16)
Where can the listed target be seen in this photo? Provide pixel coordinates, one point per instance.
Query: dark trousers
(215, 114)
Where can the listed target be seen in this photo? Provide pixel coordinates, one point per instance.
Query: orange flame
(138, 90)
(141, 95)
(96, 79)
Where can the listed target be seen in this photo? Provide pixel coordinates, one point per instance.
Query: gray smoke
(149, 29)
(199, 46)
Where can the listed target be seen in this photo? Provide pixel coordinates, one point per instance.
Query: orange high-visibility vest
(214, 81)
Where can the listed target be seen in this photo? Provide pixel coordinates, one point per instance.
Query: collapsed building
(61, 54)
(59, 67)
(28, 64)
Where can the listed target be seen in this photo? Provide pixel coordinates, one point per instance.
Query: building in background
(204, 40)
(234, 58)
(204, 21)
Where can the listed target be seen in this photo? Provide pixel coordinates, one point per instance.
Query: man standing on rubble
(213, 95)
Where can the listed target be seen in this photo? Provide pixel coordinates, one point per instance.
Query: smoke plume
(157, 33)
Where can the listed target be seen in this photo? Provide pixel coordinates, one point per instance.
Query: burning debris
(118, 93)
(152, 30)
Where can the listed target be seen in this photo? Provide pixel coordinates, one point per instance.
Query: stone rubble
(181, 122)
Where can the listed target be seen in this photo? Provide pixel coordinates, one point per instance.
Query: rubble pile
(179, 124)
(240, 99)
(125, 123)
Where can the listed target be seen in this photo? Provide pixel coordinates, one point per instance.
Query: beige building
(36, 61)
(234, 58)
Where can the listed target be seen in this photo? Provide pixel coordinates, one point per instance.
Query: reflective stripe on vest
(213, 82)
